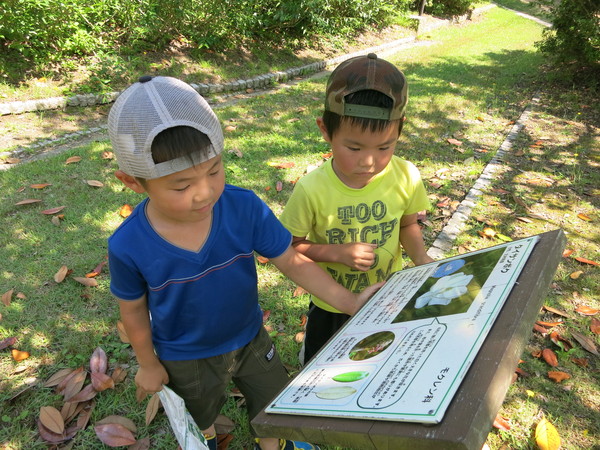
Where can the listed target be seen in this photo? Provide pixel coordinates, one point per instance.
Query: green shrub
(39, 32)
(573, 42)
(445, 8)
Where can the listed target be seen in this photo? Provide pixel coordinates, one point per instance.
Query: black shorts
(321, 325)
(202, 383)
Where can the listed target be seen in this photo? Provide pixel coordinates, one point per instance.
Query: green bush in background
(573, 42)
(42, 32)
(446, 8)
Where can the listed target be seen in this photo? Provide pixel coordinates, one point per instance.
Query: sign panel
(403, 356)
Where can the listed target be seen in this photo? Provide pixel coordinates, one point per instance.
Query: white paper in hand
(188, 435)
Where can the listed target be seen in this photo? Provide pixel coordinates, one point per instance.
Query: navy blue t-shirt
(202, 303)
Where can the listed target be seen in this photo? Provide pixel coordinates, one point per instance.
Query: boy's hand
(358, 255)
(367, 294)
(151, 378)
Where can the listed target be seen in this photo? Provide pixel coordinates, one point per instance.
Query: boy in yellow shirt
(355, 213)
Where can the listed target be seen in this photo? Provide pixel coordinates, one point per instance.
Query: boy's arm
(151, 375)
(356, 255)
(411, 239)
(315, 280)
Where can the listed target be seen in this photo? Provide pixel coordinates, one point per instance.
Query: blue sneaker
(286, 444)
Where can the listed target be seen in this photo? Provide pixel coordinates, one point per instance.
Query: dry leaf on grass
(546, 436)
(550, 357)
(586, 310)
(558, 376)
(585, 342)
(152, 408)
(501, 423)
(89, 282)
(114, 434)
(52, 419)
(59, 376)
(7, 297)
(19, 355)
(98, 361)
(126, 422)
(61, 274)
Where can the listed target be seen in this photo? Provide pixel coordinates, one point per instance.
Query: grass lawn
(469, 83)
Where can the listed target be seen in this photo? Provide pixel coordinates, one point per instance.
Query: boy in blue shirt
(355, 213)
(182, 264)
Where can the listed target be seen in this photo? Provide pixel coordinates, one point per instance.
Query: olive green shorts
(255, 369)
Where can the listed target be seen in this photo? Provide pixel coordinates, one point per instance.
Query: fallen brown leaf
(152, 408)
(549, 324)
(125, 210)
(74, 384)
(85, 394)
(585, 310)
(61, 274)
(558, 376)
(586, 261)
(52, 211)
(114, 434)
(555, 311)
(8, 342)
(126, 422)
(98, 361)
(28, 201)
(59, 376)
(102, 382)
(119, 375)
(576, 275)
(19, 355)
(585, 342)
(581, 362)
(550, 357)
(7, 297)
(140, 444)
(595, 326)
(501, 423)
(51, 419)
(90, 282)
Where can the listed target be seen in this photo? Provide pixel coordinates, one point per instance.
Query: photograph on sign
(403, 355)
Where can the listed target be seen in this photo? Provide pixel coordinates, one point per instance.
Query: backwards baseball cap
(150, 106)
(366, 73)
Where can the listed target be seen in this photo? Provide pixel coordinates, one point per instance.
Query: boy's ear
(130, 181)
(323, 129)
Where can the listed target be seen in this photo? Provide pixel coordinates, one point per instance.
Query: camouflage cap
(366, 73)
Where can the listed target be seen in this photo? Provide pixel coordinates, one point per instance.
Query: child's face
(359, 155)
(189, 195)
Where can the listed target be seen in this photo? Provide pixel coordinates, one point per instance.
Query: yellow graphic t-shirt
(326, 211)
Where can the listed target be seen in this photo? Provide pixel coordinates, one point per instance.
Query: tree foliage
(445, 8)
(572, 43)
(50, 31)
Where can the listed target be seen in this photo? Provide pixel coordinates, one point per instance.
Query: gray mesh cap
(150, 106)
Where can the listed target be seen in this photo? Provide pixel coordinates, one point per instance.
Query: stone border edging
(258, 82)
(445, 239)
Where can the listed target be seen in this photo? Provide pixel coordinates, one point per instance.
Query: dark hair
(176, 142)
(332, 121)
